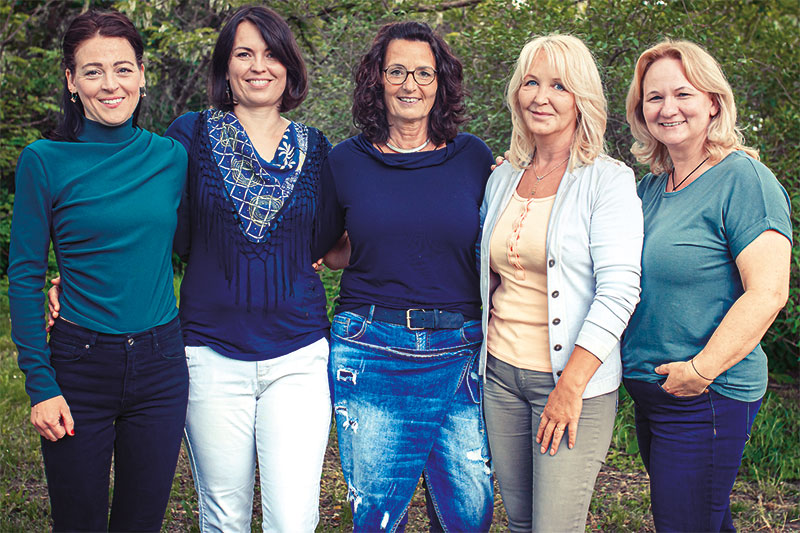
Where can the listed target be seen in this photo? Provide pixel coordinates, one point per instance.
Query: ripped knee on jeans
(347, 422)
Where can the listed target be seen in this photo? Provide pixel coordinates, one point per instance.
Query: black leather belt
(414, 319)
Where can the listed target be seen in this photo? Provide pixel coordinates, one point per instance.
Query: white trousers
(277, 412)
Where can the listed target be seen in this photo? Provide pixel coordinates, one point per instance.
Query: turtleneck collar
(95, 132)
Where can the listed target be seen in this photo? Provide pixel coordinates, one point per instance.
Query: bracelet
(698, 373)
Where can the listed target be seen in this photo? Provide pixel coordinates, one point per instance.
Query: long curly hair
(369, 109)
(706, 75)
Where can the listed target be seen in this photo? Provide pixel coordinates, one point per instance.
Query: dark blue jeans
(127, 395)
(692, 448)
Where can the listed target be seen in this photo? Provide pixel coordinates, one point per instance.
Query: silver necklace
(543, 176)
(407, 150)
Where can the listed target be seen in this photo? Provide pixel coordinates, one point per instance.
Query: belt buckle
(408, 319)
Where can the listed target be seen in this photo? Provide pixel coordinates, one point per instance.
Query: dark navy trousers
(127, 395)
(692, 448)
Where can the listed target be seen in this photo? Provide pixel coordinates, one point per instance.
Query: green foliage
(757, 43)
(771, 452)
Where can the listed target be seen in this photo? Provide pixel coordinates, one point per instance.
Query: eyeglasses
(397, 75)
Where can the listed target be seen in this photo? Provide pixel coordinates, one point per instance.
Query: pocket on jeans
(348, 326)
(472, 332)
(65, 352)
(172, 347)
(679, 398)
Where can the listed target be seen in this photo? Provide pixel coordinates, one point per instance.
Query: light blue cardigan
(594, 250)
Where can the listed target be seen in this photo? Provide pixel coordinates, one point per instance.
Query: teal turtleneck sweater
(109, 204)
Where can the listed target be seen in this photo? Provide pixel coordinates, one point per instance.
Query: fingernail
(71, 432)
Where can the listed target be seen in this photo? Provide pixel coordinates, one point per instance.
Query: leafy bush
(757, 43)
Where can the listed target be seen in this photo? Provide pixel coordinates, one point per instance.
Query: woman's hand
(561, 413)
(53, 307)
(52, 418)
(499, 160)
(338, 257)
(682, 379)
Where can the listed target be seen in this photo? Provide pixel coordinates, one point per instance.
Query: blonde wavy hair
(706, 75)
(578, 71)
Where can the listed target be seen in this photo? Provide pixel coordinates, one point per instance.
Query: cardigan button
(555, 294)
(552, 262)
(556, 321)
(557, 347)
(559, 373)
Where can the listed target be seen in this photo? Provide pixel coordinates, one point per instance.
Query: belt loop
(93, 338)
(154, 334)
(371, 312)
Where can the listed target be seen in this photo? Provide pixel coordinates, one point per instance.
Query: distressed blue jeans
(692, 448)
(408, 403)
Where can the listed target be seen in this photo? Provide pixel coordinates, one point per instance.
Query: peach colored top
(517, 332)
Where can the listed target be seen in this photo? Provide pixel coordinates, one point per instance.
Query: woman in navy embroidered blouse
(252, 306)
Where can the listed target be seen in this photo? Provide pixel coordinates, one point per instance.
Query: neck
(92, 131)
(684, 161)
(408, 135)
(552, 148)
(549, 154)
(260, 121)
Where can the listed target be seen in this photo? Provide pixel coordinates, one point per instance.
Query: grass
(766, 496)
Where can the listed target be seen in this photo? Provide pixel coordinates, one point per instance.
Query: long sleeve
(181, 130)
(615, 245)
(329, 223)
(30, 241)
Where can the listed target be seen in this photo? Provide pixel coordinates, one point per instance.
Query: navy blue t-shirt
(412, 220)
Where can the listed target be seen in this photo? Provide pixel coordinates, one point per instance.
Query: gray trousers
(542, 492)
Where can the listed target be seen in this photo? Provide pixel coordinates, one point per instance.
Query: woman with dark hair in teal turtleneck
(113, 377)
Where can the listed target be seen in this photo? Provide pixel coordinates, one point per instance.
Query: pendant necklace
(675, 187)
(407, 150)
(543, 176)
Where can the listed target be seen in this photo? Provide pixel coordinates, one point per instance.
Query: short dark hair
(280, 41)
(81, 29)
(369, 109)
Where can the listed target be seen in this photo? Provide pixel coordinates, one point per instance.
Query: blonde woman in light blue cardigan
(551, 356)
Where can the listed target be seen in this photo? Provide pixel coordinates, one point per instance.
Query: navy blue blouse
(247, 300)
(412, 220)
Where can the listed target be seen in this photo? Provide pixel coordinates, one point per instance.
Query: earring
(142, 92)
(229, 93)
(73, 97)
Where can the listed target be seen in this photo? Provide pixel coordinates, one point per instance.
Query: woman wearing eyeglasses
(405, 339)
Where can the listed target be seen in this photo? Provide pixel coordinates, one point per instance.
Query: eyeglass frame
(413, 75)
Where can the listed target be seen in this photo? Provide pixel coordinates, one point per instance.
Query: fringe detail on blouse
(286, 248)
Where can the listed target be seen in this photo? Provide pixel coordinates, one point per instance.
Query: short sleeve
(756, 203)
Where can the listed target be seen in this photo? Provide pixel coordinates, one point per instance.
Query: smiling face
(107, 79)
(676, 113)
(257, 78)
(409, 102)
(548, 109)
